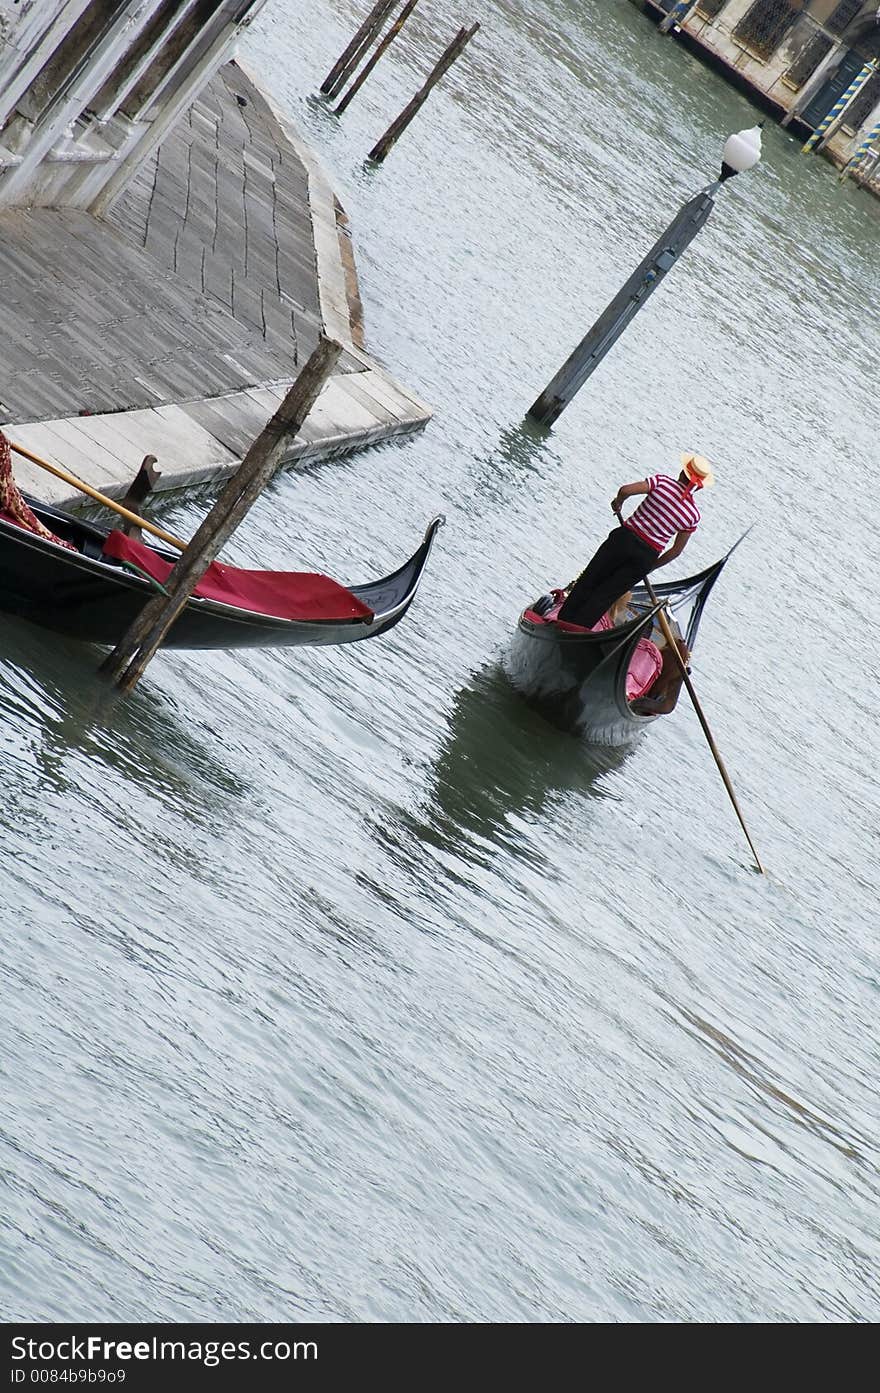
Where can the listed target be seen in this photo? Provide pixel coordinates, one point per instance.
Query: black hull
(84, 597)
(577, 681)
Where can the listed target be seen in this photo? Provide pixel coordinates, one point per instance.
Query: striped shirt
(669, 508)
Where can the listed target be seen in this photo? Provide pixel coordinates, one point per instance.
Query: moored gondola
(92, 582)
(577, 678)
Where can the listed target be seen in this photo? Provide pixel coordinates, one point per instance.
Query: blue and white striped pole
(860, 152)
(677, 15)
(840, 106)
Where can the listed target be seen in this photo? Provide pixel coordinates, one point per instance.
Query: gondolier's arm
(671, 552)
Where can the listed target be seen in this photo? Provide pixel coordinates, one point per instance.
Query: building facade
(804, 61)
(88, 88)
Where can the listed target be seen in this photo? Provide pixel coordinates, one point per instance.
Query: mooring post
(827, 127)
(126, 664)
(741, 152)
(398, 126)
(860, 153)
(382, 48)
(351, 56)
(677, 15)
(625, 305)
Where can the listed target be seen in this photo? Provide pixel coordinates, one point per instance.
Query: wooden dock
(176, 325)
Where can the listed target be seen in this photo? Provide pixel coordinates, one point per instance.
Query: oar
(670, 639)
(99, 497)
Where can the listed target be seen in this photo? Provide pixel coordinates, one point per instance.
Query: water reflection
(501, 761)
(522, 444)
(61, 708)
(756, 1074)
(521, 448)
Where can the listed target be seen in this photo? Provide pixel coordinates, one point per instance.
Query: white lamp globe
(741, 152)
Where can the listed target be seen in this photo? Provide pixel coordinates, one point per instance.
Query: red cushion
(283, 594)
(568, 628)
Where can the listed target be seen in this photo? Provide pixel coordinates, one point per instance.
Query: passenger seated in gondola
(618, 613)
(661, 697)
(646, 664)
(653, 678)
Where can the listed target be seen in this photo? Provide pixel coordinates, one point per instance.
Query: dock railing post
(126, 664)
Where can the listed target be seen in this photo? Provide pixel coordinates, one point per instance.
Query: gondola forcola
(577, 678)
(75, 578)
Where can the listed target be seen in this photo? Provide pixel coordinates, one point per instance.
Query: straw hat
(698, 468)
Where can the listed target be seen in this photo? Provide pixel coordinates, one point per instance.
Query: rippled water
(340, 987)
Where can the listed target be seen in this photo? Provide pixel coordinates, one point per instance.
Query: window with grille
(808, 60)
(840, 18)
(860, 109)
(710, 8)
(765, 24)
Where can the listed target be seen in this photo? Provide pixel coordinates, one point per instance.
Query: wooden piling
(371, 62)
(614, 319)
(349, 59)
(126, 664)
(397, 127)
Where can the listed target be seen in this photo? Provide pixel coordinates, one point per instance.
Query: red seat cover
(283, 594)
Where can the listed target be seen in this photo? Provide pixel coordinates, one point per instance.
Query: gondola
(577, 679)
(94, 590)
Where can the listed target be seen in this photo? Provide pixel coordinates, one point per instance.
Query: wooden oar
(99, 497)
(670, 639)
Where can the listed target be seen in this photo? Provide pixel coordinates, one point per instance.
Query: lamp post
(741, 152)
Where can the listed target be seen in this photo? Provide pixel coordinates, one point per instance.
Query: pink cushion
(644, 669)
(645, 663)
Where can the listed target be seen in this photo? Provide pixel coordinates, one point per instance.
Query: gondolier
(656, 533)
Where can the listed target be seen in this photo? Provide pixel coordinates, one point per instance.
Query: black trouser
(621, 562)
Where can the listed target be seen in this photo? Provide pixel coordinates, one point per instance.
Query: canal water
(339, 987)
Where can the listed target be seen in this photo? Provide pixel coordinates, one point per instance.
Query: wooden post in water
(349, 59)
(397, 127)
(371, 62)
(627, 302)
(126, 664)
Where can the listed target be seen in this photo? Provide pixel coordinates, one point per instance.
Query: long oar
(99, 497)
(670, 639)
